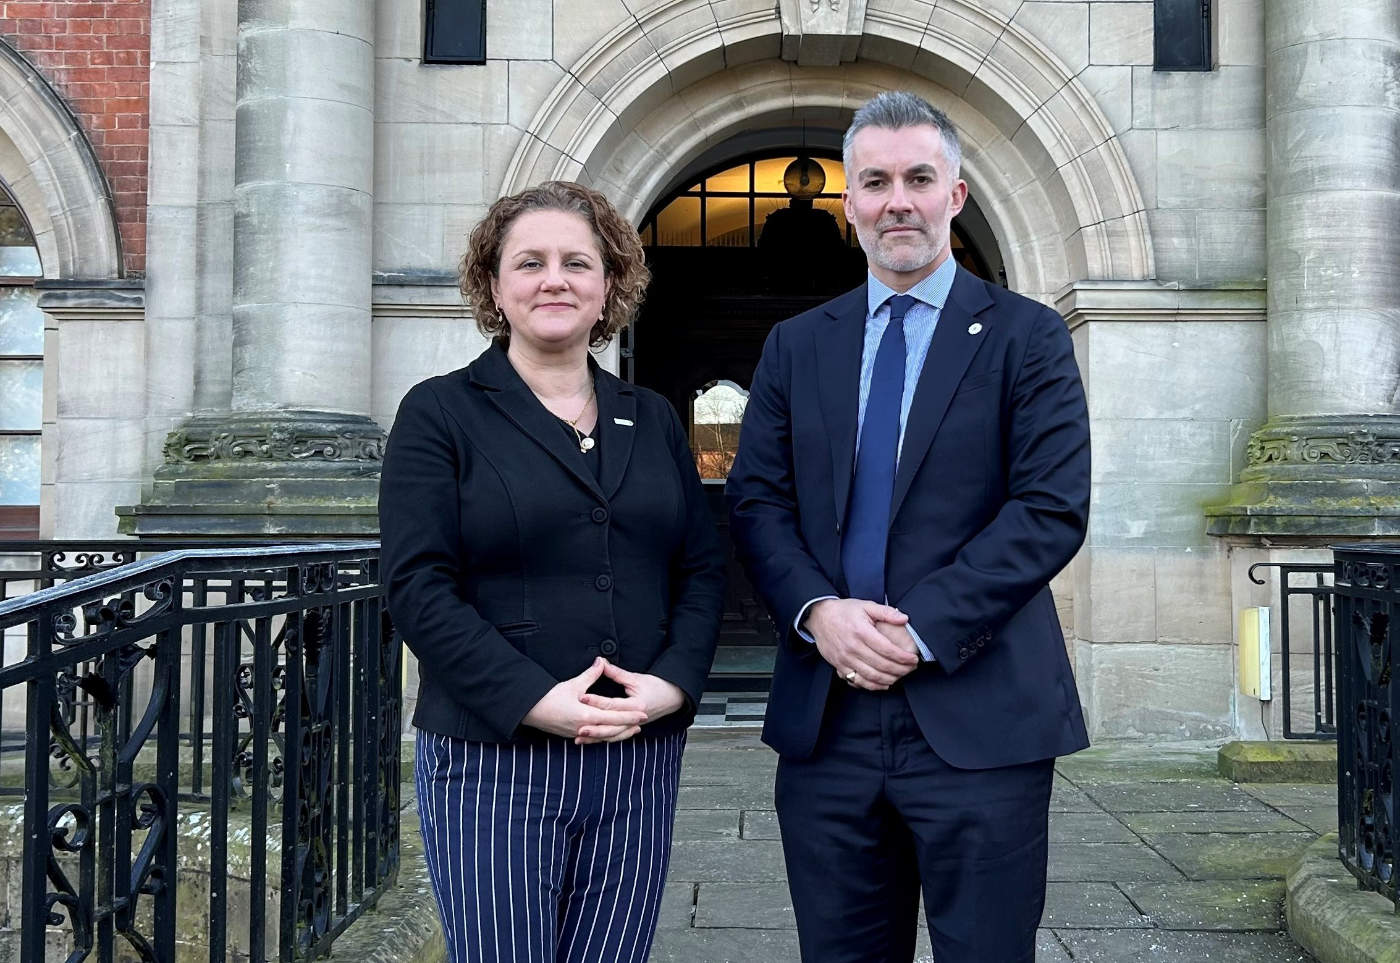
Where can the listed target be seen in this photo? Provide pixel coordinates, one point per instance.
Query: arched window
(733, 206)
(21, 374)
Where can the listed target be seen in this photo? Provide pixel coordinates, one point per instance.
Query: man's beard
(908, 253)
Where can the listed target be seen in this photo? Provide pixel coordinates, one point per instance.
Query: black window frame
(1183, 35)
(444, 33)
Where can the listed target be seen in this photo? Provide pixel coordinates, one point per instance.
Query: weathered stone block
(1170, 691)
(1224, 98)
(1288, 762)
(1210, 168)
(1062, 27)
(1120, 33)
(412, 92)
(514, 29)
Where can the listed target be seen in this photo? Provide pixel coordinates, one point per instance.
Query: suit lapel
(617, 401)
(838, 346)
(514, 399)
(949, 354)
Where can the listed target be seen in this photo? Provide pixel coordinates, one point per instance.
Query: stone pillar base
(296, 474)
(1317, 476)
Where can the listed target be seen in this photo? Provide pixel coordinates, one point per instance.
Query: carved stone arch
(49, 166)
(1039, 153)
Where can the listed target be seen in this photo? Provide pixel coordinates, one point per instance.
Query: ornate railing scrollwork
(304, 679)
(1369, 688)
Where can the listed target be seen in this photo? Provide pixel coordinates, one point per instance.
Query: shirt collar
(932, 290)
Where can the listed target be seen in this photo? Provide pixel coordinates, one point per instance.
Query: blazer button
(963, 653)
(608, 647)
(600, 515)
(603, 582)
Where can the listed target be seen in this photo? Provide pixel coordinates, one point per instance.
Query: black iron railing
(214, 695)
(1312, 582)
(1367, 584)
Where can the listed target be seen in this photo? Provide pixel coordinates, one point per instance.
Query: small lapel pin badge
(975, 327)
(625, 422)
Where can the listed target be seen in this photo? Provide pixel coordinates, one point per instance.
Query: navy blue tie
(868, 512)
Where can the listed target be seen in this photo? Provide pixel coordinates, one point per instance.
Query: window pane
(21, 394)
(1181, 34)
(762, 207)
(835, 175)
(19, 470)
(454, 31)
(678, 224)
(768, 175)
(735, 180)
(21, 321)
(14, 232)
(727, 222)
(714, 427)
(833, 206)
(19, 262)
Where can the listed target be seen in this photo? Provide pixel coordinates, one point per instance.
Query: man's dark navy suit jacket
(991, 500)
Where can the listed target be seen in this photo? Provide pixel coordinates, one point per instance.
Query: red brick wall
(98, 56)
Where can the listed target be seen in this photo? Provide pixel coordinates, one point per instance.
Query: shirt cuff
(923, 649)
(802, 617)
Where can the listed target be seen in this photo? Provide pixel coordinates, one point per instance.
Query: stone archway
(1040, 155)
(50, 168)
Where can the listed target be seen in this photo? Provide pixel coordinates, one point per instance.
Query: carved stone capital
(280, 437)
(1359, 446)
(1325, 476)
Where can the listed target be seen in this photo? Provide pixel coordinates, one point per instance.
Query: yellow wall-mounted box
(1254, 653)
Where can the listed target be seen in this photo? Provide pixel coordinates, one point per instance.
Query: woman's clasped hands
(570, 710)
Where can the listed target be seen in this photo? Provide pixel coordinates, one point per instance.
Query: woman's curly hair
(624, 263)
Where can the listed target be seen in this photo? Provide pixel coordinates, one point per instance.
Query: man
(913, 468)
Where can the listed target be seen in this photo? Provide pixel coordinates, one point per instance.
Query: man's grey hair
(897, 109)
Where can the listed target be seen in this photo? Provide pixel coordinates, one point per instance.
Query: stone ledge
(1295, 761)
(1332, 919)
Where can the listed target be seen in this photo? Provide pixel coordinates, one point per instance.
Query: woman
(550, 560)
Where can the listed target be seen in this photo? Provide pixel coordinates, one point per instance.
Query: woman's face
(550, 286)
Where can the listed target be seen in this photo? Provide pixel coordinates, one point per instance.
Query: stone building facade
(311, 181)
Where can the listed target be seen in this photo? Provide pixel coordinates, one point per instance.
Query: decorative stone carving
(273, 442)
(1324, 442)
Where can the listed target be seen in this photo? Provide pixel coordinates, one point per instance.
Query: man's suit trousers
(874, 816)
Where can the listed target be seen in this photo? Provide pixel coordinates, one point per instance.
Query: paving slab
(707, 824)
(1213, 904)
(1198, 821)
(1118, 762)
(741, 796)
(759, 906)
(1232, 855)
(1309, 795)
(760, 824)
(1049, 949)
(1163, 946)
(725, 946)
(1065, 798)
(677, 906)
(1320, 821)
(1107, 862)
(743, 860)
(1099, 827)
(1090, 906)
(1215, 795)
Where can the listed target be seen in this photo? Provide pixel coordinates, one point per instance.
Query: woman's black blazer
(509, 566)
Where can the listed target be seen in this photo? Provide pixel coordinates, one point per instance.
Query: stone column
(1327, 462)
(297, 453)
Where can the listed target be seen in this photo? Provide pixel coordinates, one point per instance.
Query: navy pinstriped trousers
(548, 851)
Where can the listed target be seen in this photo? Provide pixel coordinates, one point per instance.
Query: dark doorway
(732, 253)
